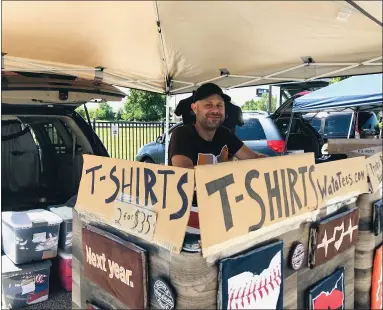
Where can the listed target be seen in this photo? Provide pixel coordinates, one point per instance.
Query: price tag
(134, 219)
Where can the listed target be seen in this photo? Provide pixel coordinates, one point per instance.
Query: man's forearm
(259, 155)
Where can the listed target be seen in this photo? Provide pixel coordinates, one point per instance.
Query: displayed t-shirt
(186, 141)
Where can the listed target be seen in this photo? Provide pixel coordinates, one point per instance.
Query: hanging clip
(2, 60)
(168, 85)
(98, 75)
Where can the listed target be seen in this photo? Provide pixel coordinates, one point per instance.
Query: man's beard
(211, 124)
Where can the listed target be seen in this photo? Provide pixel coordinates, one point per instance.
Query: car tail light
(276, 145)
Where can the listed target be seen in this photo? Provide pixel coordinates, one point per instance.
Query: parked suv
(43, 138)
(336, 125)
(262, 132)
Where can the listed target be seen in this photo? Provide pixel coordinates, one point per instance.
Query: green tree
(80, 110)
(260, 104)
(144, 106)
(104, 112)
(119, 114)
(337, 79)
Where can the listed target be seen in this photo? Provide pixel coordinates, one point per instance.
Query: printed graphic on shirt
(209, 159)
(205, 159)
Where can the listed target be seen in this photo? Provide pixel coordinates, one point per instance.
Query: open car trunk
(302, 136)
(43, 139)
(41, 161)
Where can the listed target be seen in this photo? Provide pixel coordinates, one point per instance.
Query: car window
(337, 125)
(316, 123)
(367, 121)
(251, 130)
(283, 126)
(55, 138)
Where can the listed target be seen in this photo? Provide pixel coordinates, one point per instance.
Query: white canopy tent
(173, 46)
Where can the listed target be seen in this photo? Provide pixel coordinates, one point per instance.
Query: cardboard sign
(375, 169)
(355, 147)
(244, 196)
(117, 266)
(332, 236)
(377, 283)
(253, 280)
(340, 180)
(328, 293)
(135, 220)
(167, 191)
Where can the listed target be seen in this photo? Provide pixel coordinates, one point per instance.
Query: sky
(239, 96)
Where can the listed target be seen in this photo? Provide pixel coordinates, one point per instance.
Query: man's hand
(246, 153)
(182, 162)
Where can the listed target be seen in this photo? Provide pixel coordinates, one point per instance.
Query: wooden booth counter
(275, 233)
(370, 240)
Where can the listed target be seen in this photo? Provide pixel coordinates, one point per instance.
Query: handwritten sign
(374, 169)
(167, 190)
(236, 198)
(341, 179)
(135, 220)
(117, 266)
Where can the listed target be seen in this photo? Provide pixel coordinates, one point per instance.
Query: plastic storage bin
(30, 236)
(25, 284)
(65, 237)
(65, 270)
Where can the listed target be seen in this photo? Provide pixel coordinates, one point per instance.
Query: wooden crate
(365, 250)
(196, 282)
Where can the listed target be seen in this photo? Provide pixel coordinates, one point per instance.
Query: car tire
(148, 160)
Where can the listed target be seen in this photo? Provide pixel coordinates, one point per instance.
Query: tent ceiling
(258, 42)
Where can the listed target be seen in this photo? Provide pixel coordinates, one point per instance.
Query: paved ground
(58, 298)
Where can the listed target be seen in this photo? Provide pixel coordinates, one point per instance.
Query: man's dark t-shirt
(186, 141)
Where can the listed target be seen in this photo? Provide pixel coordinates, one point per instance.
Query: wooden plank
(363, 279)
(290, 295)
(378, 240)
(365, 248)
(76, 282)
(92, 292)
(77, 237)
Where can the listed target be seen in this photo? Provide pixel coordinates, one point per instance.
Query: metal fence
(123, 139)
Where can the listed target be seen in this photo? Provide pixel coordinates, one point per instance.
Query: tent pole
(349, 129)
(288, 133)
(168, 98)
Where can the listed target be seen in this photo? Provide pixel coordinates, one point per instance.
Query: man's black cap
(207, 90)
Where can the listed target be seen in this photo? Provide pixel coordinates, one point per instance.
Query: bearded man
(206, 141)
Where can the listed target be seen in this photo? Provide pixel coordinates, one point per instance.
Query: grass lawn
(129, 139)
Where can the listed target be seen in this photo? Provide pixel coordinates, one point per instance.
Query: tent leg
(270, 99)
(349, 129)
(288, 132)
(168, 98)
